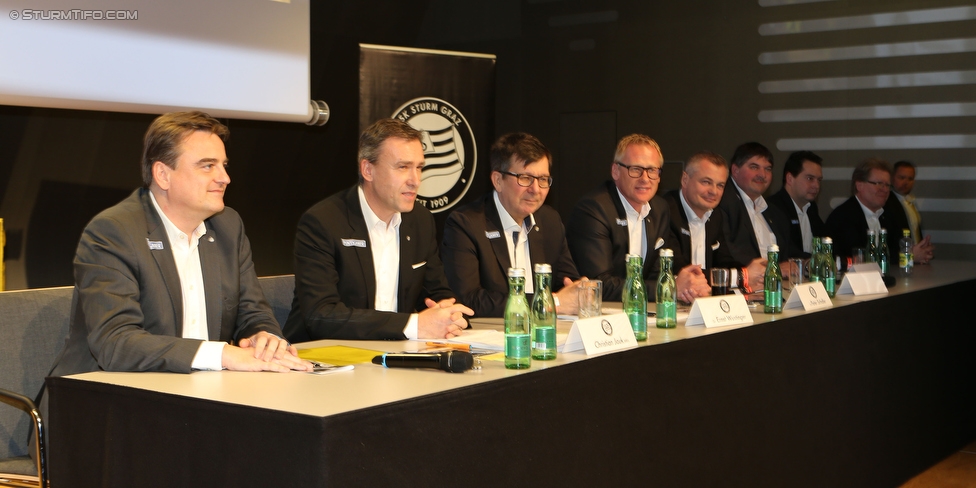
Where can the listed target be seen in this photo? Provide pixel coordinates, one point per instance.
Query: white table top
(369, 385)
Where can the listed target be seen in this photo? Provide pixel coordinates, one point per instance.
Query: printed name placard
(600, 335)
(809, 296)
(720, 311)
(869, 283)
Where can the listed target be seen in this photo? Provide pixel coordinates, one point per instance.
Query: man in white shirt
(164, 280)
(625, 216)
(802, 175)
(366, 259)
(849, 223)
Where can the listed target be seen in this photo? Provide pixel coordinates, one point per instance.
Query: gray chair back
(279, 292)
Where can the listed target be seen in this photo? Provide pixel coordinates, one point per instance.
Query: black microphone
(450, 361)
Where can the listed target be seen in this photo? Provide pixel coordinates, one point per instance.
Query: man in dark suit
(751, 226)
(802, 175)
(695, 223)
(848, 224)
(626, 216)
(164, 280)
(366, 258)
(509, 227)
(902, 201)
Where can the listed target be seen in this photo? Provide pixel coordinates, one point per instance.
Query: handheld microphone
(450, 361)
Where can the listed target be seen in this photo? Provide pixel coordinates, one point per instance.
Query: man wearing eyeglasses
(802, 175)
(848, 224)
(509, 228)
(626, 216)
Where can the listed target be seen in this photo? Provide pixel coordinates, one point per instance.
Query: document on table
(494, 340)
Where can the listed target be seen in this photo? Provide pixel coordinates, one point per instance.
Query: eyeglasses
(879, 184)
(638, 171)
(526, 180)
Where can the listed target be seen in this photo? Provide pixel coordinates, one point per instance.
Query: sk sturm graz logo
(813, 292)
(607, 328)
(449, 150)
(725, 305)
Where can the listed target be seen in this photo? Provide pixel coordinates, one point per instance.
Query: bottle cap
(516, 272)
(773, 248)
(667, 253)
(827, 240)
(884, 231)
(906, 232)
(543, 268)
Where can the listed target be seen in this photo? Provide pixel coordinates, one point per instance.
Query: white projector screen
(246, 59)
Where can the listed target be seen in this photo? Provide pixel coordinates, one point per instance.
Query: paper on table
(338, 355)
(494, 340)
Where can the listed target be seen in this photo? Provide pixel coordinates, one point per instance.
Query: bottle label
(517, 346)
(545, 338)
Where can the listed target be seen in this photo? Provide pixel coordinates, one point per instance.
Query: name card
(720, 311)
(865, 268)
(809, 296)
(601, 335)
(869, 283)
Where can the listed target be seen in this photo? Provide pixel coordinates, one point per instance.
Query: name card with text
(601, 335)
(719, 311)
(869, 283)
(809, 296)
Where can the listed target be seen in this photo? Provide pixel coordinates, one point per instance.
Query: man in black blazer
(164, 280)
(751, 230)
(802, 175)
(366, 258)
(626, 216)
(696, 224)
(848, 224)
(509, 227)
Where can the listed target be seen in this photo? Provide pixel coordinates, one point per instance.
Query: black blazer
(784, 202)
(716, 249)
(599, 240)
(335, 283)
(475, 254)
(739, 232)
(848, 227)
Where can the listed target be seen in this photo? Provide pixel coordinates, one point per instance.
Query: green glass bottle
(829, 273)
(517, 347)
(543, 315)
(883, 251)
(815, 264)
(635, 296)
(871, 248)
(667, 293)
(773, 286)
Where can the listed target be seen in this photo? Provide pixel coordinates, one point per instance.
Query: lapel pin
(408, 238)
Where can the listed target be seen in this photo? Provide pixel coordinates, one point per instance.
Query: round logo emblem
(449, 150)
(607, 328)
(813, 292)
(725, 305)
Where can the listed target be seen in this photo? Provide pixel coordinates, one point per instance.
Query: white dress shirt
(696, 230)
(806, 232)
(518, 244)
(764, 235)
(186, 254)
(384, 243)
(636, 230)
(873, 218)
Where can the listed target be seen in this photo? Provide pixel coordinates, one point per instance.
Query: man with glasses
(848, 224)
(626, 216)
(509, 228)
(802, 175)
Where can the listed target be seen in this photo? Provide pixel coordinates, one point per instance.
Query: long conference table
(866, 393)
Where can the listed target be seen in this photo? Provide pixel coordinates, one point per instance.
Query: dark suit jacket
(898, 217)
(127, 314)
(600, 244)
(477, 265)
(784, 202)
(848, 227)
(739, 232)
(716, 249)
(335, 282)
